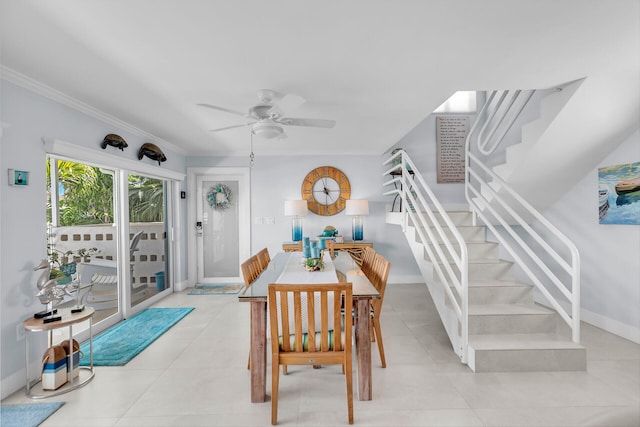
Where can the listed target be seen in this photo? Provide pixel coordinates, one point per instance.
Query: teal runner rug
(28, 414)
(216, 289)
(124, 341)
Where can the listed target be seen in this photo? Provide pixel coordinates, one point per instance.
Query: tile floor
(195, 375)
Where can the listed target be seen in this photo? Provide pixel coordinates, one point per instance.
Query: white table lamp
(296, 209)
(357, 208)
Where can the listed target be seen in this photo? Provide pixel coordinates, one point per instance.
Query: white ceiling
(376, 67)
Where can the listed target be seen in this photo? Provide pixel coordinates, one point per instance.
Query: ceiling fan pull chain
(251, 156)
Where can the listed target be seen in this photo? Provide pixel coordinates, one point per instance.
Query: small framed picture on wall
(17, 177)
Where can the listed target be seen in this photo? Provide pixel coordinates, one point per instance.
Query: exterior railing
(148, 260)
(443, 245)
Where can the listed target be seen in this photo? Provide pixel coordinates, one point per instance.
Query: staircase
(508, 331)
(495, 322)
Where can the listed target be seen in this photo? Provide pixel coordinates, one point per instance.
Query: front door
(222, 223)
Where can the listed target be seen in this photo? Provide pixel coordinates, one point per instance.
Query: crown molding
(48, 92)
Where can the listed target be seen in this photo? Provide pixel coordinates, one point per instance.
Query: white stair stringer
(437, 292)
(508, 331)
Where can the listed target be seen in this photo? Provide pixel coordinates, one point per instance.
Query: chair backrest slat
(297, 312)
(311, 314)
(324, 340)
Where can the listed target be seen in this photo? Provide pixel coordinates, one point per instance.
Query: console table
(86, 373)
(353, 247)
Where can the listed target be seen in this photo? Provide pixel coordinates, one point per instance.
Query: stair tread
(498, 283)
(521, 342)
(487, 261)
(507, 309)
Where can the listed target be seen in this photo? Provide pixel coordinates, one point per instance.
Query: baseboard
(613, 326)
(180, 286)
(610, 325)
(16, 381)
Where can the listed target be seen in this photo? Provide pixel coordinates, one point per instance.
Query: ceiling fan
(268, 115)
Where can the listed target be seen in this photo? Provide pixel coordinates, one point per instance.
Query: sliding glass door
(107, 236)
(148, 247)
(82, 236)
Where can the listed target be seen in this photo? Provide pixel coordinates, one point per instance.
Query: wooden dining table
(345, 270)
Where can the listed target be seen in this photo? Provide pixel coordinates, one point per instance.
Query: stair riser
(490, 271)
(469, 234)
(497, 271)
(512, 324)
(497, 295)
(458, 218)
(476, 251)
(500, 295)
(530, 360)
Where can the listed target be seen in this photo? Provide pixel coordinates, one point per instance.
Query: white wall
(610, 254)
(26, 118)
(420, 145)
(276, 179)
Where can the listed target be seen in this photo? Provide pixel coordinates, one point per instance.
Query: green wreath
(219, 197)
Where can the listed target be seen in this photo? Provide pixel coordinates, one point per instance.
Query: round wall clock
(326, 190)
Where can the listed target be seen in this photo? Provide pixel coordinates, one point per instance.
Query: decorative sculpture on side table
(50, 293)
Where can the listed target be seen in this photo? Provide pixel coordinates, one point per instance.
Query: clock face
(326, 190)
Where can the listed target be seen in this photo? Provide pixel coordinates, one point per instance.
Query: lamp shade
(295, 208)
(357, 207)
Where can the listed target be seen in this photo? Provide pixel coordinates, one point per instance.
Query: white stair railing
(500, 115)
(443, 245)
(545, 255)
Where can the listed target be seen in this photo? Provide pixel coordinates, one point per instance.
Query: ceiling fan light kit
(266, 130)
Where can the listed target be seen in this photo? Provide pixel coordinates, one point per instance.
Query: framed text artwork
(619, 194)
(451, 136)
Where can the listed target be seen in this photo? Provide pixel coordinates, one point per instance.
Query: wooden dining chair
(378, 276)
(263, 258)
(306, 329)
(331, 247)
(251, 269)
(367, 260)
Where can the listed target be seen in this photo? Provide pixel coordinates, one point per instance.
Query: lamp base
(296, 229)
(356, 228)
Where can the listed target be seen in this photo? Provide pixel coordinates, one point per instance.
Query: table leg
(363, 348)
(258, 351)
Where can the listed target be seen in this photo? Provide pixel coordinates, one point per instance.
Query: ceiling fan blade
(226, 110)
(231, 127)
(291, 102)
(318, 123)
(288, 102)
